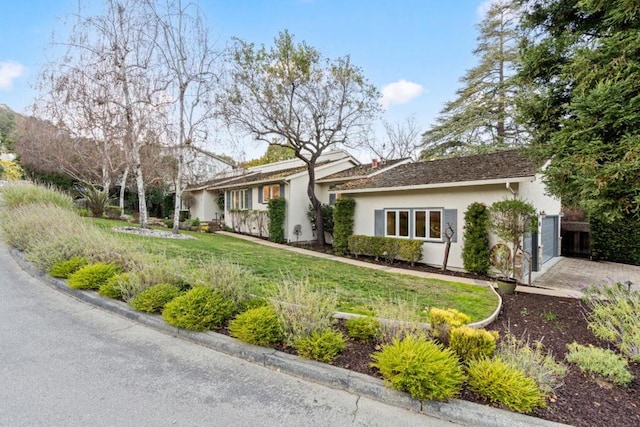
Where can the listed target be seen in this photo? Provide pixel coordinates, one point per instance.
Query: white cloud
(400, 92)
(8, 71)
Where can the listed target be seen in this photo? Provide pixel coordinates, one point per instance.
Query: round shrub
(498, 382)
(154, 298)
(323, 346)
(364, 329)
(469, 343)
(421, 367)
(92, 276)
(259, 326)
(64, 269)
(200, 309)
(112, 288)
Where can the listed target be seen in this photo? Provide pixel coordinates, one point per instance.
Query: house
(422, 200)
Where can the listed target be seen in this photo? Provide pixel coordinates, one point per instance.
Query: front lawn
(356, 287)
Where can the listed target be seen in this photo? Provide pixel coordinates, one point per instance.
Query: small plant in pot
(511, 219)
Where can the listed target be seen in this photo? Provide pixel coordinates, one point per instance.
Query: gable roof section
(363, 171)
(494, 167)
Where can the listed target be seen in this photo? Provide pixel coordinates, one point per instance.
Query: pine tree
(482, 117)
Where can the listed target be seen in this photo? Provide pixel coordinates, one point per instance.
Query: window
(397, 223)
(239, 200)
(270, 192)
(427, 224)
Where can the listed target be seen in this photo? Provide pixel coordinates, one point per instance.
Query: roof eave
(437, 185)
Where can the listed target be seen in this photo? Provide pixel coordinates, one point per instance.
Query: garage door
(549, 238)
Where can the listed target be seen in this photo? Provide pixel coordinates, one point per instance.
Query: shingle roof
(361, 170)
(500, 165)
(253, 177)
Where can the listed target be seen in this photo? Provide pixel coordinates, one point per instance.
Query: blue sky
(414, 51)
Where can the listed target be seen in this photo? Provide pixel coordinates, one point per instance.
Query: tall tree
(402, 140)
(189, 61)
(274, 153)
(482, 118)
(581, 65)
(289, 95)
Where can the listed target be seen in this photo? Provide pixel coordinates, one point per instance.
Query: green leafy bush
(323, 346)
(276, 209)
(259, 326)
(92, 276)
(301, 309)
(113, 288)
(469, 343)
(364, 329)
(533, 360)
(200, 309)
(442, 321)
(475, 251)
(614, 317)
(601, 362)
(495, 380)
(63, 269)
(154, 298)
(343, 224)
(615, 240)
(421, 367)
(387, 248)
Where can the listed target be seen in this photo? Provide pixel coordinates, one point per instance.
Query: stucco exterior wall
(204, 205)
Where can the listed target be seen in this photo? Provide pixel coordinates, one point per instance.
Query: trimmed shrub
(614, 317)
(92, 276)
(421, 367)
(153, 299)
(475, 251)
(113, 287)
(601, 362)
(411, 250)
(617, 240)
(534, 361)
(301, 309)
(498, 382)
(276, 209)
(343, 224)
(469, 343)
(442, 321)
(387, 248)
(323, 346)
(63, 269)
(259, 326)
(200, 309)
(364, 329)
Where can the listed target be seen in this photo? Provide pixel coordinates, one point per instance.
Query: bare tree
(291, 96)
(189, 61)
(402, 140)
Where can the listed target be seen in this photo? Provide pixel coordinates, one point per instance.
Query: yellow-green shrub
(154, 298)
(364, 329)
(385, 247)
(469, 343)
(112, 288)
(200, 309)
(63, 269)
(259, 326)
(601, 362)
(11, 171)
(442, 321)
(92, 276)
(323, 346)
(421, 367)
(499, 382)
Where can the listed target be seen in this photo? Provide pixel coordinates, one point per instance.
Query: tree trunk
(123, 188)
(317, 206)
(178, 196)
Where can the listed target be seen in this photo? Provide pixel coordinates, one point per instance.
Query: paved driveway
(577, 273)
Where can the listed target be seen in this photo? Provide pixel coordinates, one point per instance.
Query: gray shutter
(332, 199)
(228, 193)
(282, 191)
(248, 198)
(451, 217)
(260, 193)
(379, 223)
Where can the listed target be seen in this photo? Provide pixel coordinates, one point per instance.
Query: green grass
(356, 287)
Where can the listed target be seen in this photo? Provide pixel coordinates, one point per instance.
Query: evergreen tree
(482, 117)
(475, 252)
(581, 63)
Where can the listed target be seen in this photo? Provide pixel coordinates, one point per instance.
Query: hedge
(343, 224)
(386, 247)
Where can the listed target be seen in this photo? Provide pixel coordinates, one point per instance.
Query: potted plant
(511, 219)
(500, 256)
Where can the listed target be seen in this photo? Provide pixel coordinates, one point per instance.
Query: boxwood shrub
(323, 346)
(387, 248)
(200, 309)
(259, 326)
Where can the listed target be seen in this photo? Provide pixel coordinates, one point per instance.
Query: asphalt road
(65, 363)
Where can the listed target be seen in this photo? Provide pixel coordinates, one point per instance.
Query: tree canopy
(482, 118)
(274, 153)
(581, 68)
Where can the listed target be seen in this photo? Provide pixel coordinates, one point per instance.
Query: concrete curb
(457, 411)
